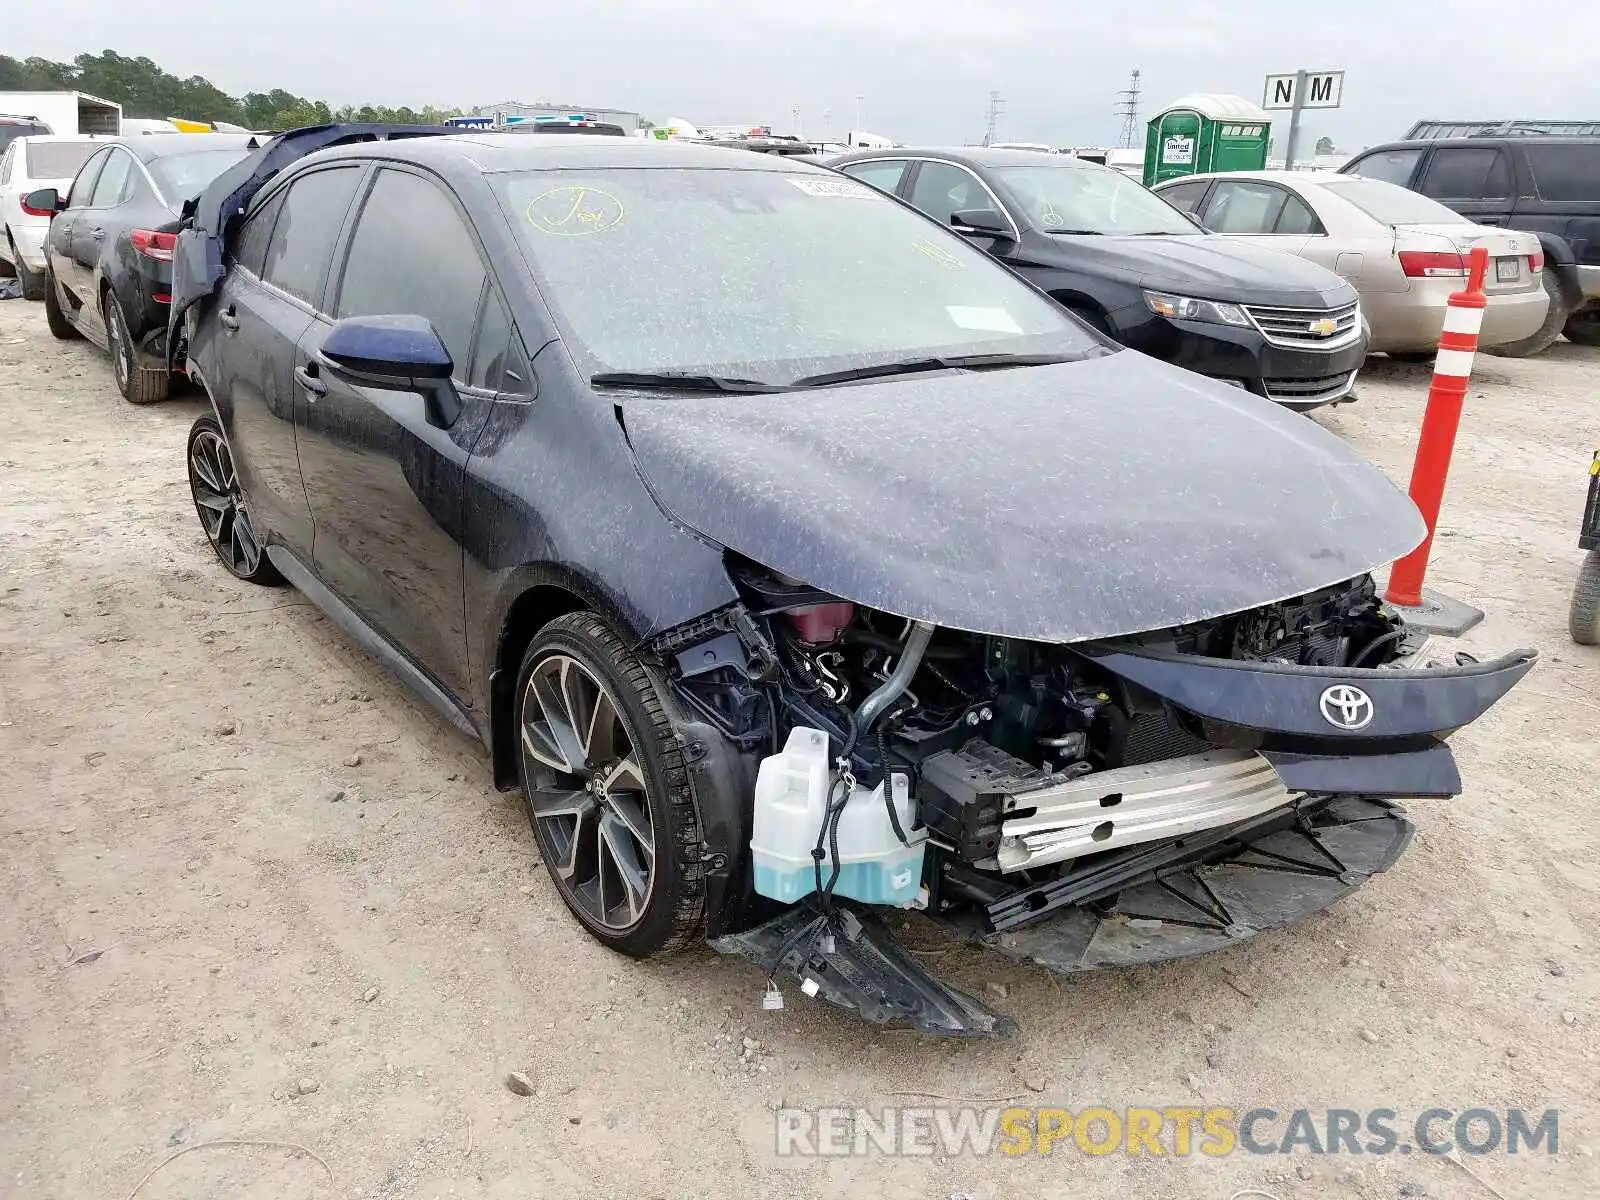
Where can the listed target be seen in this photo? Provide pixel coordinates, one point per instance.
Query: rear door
(1476, 181)
(63, 227)
(385, 485)
(96, 225)
(1267, 214)
(267, 301)
(1565, 176)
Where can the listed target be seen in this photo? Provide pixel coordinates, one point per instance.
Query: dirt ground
(238, 862)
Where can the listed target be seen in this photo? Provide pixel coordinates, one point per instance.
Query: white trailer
(65, 112)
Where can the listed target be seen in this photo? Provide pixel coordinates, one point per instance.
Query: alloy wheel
(117, 339)
(220, 502)
(586, 790)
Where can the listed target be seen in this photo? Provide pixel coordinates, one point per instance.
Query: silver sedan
(1403, 252)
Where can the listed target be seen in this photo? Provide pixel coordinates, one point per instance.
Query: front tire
(220, 502)
(1545, 337)
(138, 385)
(60, 327)
(606, 789)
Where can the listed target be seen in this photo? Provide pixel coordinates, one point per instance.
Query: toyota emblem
(1347, 707)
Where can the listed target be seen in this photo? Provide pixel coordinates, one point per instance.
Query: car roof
(150, 146)
(977, 156)
(1489, 139)
(492, 153)
(1263, 176)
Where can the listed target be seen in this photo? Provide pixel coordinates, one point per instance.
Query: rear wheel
(606, 789)
(60, 327)
(1547, 333)
(1583, 326)
(32, 281)
(138, 385)
(220, 501)
(1583, 622)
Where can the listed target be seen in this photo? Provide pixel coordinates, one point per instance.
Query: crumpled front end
(1082, 806)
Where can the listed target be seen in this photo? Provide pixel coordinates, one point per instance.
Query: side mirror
(980, 222)
(402, 353)
(43, 202)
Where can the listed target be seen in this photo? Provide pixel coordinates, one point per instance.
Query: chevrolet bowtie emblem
(1324, 326)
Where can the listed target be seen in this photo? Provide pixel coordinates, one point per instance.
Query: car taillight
(153, 244)
(1433, 264)
(1536, 261)
(36, 212)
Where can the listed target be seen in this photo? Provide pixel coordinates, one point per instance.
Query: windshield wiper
(679, 381)
(1077, 232)
(911, 366)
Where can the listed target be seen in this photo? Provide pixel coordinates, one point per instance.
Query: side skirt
(373, 642)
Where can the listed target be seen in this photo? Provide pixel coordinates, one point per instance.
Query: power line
(1128, 109)
(996, 107)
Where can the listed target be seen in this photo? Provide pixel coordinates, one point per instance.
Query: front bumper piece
(1284, 815)
(1141, 906)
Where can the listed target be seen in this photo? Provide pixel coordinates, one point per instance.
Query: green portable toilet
(1206, 132)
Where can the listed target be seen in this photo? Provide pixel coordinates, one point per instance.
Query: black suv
(1547, 186)
(1134, 267)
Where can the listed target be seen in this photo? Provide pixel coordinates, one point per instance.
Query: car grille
(1306, 391)
(1293, 326)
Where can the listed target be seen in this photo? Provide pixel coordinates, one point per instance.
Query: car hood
(1210, 267)
(1061, 503)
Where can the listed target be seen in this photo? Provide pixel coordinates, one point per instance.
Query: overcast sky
(925, 67)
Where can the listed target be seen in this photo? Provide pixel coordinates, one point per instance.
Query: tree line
(145, 90)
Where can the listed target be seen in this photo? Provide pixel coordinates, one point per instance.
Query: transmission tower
(1128, 109)
(996, 107)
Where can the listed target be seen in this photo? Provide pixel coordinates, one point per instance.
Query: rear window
(1393, 205)
(184, 176)
(57, 160)
(1566, 172)
(11, 129)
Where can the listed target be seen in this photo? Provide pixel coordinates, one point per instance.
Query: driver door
(384, 482)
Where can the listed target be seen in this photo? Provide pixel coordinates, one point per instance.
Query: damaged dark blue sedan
(797, 562)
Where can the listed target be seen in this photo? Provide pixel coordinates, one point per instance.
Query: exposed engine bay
(1022, 782)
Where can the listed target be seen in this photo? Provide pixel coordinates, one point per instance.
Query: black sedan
(795, 561)
(108, 256)
(1134, 267)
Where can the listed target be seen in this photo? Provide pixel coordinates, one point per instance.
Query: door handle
(306, 377)
(229, 320)
(98, 234)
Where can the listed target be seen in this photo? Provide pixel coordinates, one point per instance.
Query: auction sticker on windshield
(574, 210)
(837, 188)
(983, 320)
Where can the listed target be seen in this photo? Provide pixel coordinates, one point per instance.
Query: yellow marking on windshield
(574, 210)
(937, 254)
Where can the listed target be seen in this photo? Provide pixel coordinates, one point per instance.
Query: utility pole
(794, 119)
(996, 107)
(1128, 110)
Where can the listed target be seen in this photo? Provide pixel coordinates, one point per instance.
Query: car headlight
(1187, 308)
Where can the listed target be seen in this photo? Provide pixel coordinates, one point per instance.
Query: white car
(29, 163)
(1404, 253)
